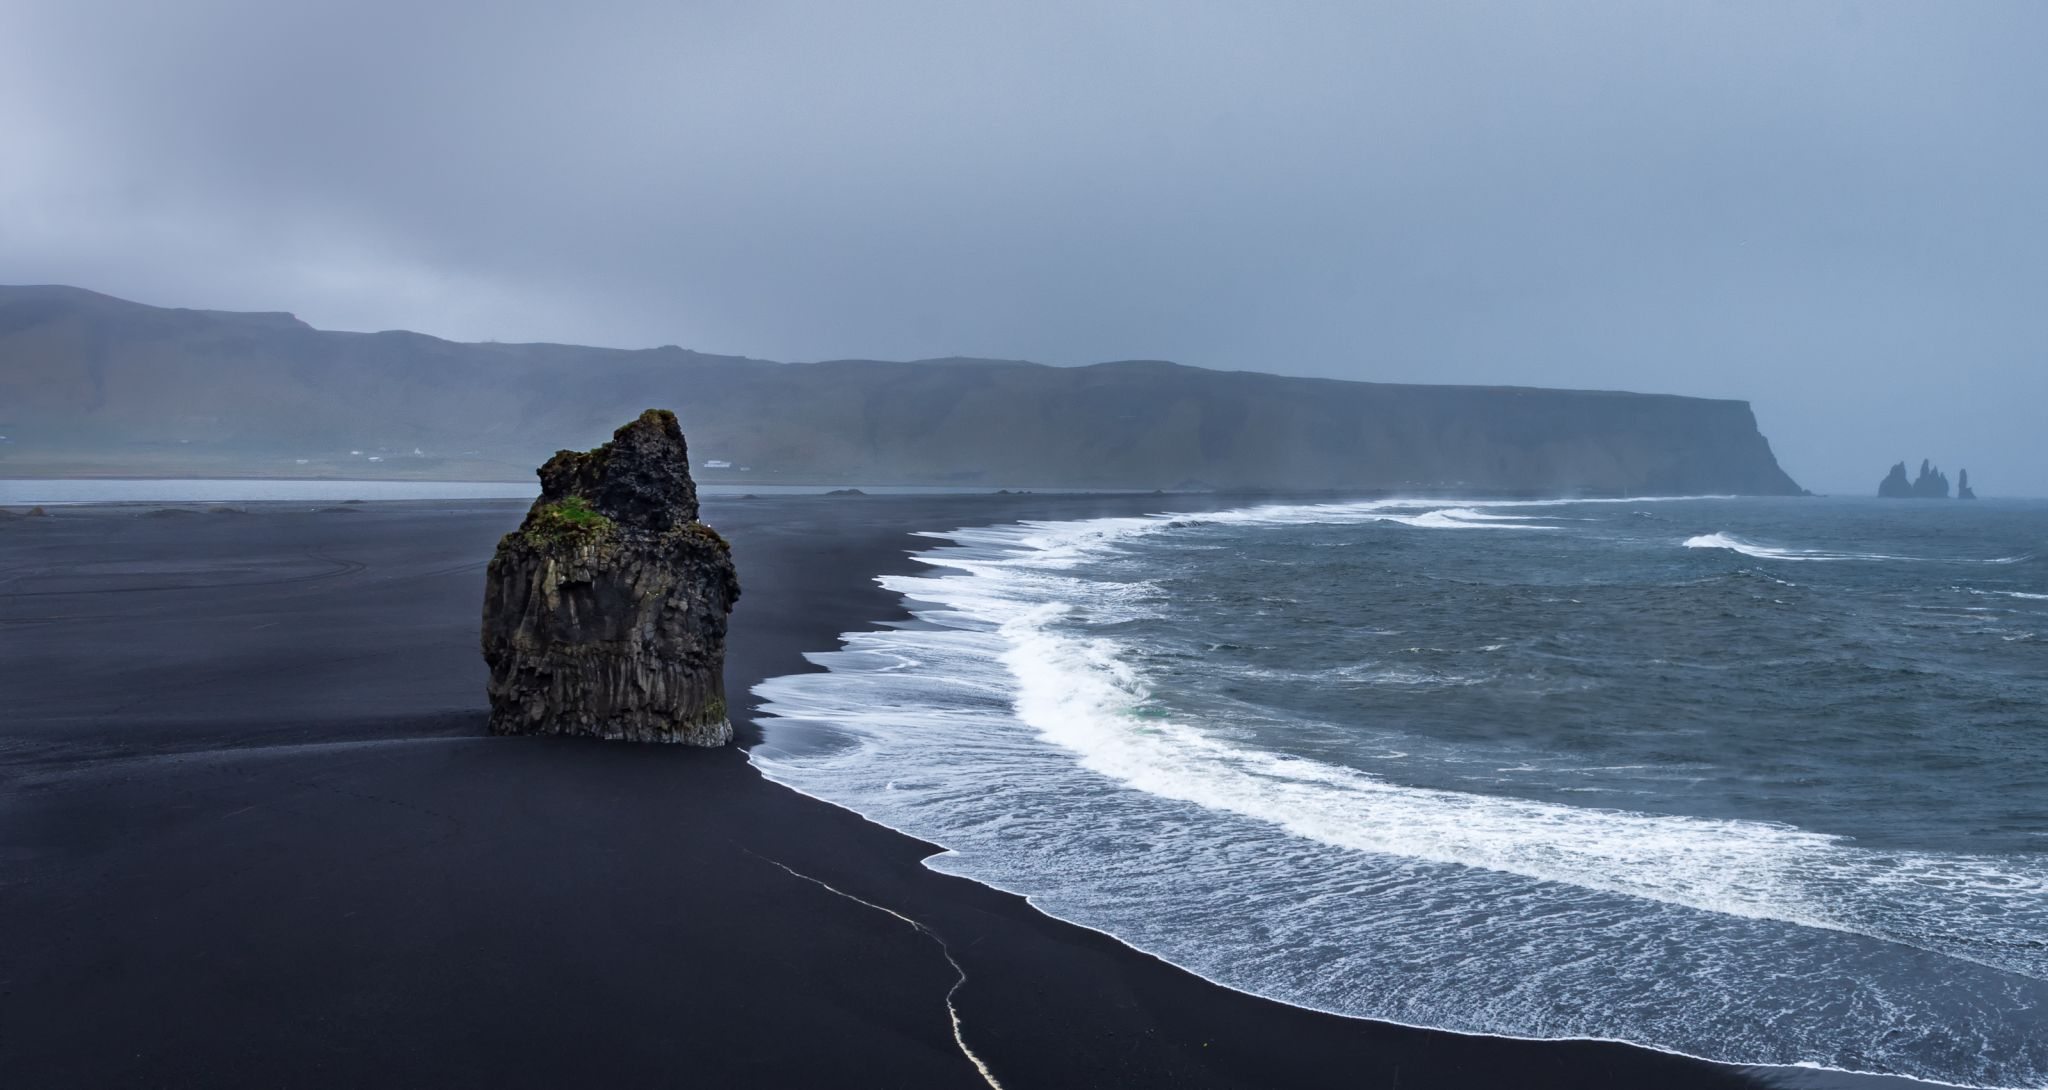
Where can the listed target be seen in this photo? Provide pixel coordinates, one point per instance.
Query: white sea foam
(1410, 512)
(1455, 518)
(1013, 734)
(1080, 693)
(1723, 540)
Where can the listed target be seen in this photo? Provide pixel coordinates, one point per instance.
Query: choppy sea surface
(1760, 781)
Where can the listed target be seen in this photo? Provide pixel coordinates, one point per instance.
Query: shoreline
(1805, 1075)
(488, 881)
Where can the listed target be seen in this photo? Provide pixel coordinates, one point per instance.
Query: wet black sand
(252, 834)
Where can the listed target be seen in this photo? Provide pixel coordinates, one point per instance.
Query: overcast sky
(1838, 211)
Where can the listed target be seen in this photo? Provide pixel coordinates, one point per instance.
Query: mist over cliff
(90, 384)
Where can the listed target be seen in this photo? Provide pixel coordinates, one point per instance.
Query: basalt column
(605, 612)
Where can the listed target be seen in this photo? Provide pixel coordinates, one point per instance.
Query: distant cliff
(92, 384)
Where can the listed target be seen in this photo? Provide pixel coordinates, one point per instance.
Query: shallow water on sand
(1755, 780)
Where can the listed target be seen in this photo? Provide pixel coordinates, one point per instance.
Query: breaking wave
(1007, 728)
(1774, 552)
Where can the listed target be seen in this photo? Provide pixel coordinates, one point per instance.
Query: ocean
(1763, 781)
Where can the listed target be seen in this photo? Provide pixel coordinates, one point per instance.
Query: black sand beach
(252, 833)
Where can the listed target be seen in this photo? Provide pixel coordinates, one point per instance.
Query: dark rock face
(640, 480)
(1931, 484)
(1963, 490)
(1895, 486)
(605, 612)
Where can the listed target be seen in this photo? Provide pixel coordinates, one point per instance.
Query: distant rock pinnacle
(605, 612)
(1931, 484)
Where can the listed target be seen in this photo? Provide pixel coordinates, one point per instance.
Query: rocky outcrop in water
(605, 612)
(1963, 489)
(1931, 484)
(1895, 486)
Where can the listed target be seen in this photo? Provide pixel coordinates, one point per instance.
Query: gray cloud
(1832, 209)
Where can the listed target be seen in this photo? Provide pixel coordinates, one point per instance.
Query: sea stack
(1931, 484)
(605, 612)
(1895, 485)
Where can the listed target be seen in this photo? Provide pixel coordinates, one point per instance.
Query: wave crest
(1724, 540)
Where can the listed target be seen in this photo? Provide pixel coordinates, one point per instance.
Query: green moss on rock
(569, 521)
